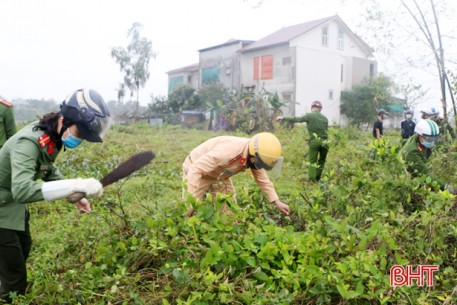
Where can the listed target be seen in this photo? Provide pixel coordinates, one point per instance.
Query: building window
(371, 70)
(286, 60)
(189, 79)
(342, 70)
(325, 36)
(267, 67)
(287, 96)
(210, 75)
(330, 94)
(263, 67)
(256, 68)
(340, 39)
(174, 82)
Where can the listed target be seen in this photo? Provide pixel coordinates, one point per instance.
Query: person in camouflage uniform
(28, 174)
(7, 123)
(317, 125)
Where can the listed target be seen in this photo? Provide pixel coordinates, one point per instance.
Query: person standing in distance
(7, 123)
(26, 160)
(317, 125)
(407, 126)
(378, 128)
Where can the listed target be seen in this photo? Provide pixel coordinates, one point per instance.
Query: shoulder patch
(44, 140)
(6, 103)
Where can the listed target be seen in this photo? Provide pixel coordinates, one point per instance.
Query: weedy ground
(337, 246)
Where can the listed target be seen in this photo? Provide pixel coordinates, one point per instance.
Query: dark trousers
(316, 157)
(14, 251)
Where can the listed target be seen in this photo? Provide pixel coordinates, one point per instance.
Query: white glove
(449, 188)
(63, 188)
(90, 186)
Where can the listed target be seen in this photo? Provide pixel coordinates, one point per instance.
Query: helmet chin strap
(249, 163)
(62, 131)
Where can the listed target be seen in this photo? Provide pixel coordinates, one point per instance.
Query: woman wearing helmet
(26, 159)
(210, 166)
(418, 150)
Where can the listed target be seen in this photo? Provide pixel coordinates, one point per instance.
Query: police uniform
(210, 166)
(416, 157)
(317, 125)
(25, 158)
(7, 124)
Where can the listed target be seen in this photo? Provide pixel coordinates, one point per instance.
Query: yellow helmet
(266, 148)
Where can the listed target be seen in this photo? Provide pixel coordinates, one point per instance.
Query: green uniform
(317, 125)
(24, 159)
(7, 123)
(415, 157)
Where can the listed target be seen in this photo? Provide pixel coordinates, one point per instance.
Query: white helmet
(428, 129)
(430, 113)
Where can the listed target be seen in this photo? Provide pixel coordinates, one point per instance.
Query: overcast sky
(49, 48)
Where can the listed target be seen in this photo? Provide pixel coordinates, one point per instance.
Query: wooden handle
(75, 197)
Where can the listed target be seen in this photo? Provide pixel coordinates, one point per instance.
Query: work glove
(63, 188)
(449, 188)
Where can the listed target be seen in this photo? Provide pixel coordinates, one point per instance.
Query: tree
(360, 104)
(434, 42)
(211, 94)
(134, 60)
(411, 25)
(121, 93)
(33, 109)
(159, 105)
(182, 98)
(412, 93)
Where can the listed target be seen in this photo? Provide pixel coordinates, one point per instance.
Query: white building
(311, 61)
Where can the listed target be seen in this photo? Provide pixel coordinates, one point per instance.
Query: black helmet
(382, 111)
(88, 111)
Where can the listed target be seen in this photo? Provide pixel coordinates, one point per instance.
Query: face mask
(427, 144)
(71, 141)
(409, 116)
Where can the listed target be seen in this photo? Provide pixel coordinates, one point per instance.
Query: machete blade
(133, 164)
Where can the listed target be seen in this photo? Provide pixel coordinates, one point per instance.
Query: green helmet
(428, 129)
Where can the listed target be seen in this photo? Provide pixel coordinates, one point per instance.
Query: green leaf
(251, 261)
(261, 276)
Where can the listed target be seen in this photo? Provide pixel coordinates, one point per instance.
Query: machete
(133, 164)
